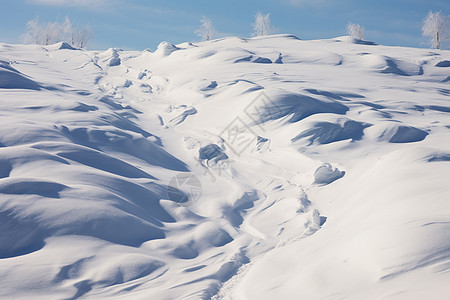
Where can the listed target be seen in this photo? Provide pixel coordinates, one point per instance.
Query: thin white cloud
(84, 3)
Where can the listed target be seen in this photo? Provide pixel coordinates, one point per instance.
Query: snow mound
(295, 107)
(443, 64)
(313, 57)
(326, 174)
(165, 49)
(258, 60)
(388, 65)
(60, 46)
(110, 57)
(10, 78)
(397, 133)
(349, 39)
(212, 152)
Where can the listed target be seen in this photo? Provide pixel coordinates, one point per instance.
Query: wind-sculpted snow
(326, 174)
(404, 134)
(443, 64)
(261, 168)
(166, 48)
(297, 107)
(386, 64)
(325, 132)
(109, 58)
(10, 78)
(60, 46)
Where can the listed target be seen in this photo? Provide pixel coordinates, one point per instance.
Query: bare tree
(51, 33)
(436, 26)
(356, 31)
(262, 25)
(206, 30)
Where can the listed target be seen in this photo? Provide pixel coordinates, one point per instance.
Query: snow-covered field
(262, 168)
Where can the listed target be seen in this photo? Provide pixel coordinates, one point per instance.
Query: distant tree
(68, 31)
(436, 26)
(206, 30)
(82, 36)
(54, 32)
(356, 31)
(34, 33)
(262, 25)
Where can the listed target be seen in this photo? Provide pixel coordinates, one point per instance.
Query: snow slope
(262, 168)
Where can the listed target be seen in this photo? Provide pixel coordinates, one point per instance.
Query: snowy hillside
(262, 168)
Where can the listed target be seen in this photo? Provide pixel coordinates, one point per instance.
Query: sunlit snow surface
(263, 168)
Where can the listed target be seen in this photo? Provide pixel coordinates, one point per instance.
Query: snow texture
(261, 168)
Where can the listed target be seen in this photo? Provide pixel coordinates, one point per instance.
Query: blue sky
(139, 24)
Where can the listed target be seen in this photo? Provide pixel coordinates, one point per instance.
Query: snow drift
(235, 168)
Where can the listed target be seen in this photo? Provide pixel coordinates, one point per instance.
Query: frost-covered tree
(206, 30)
(356, 31)
(69, 31)
(436, 26)
(262, 25)
(82, 36)
(43, 34)
(34, 33)
(54, 32)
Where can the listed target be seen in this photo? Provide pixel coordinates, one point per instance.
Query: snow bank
(10, 78)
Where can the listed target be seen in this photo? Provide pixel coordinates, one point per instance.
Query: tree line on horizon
(436, 26)
(55, 32)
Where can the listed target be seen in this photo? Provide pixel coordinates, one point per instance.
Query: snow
(261, 168)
